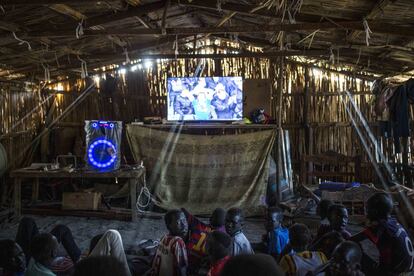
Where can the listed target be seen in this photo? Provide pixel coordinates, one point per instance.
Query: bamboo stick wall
(325, 112)
(20, 116)
(310, 102)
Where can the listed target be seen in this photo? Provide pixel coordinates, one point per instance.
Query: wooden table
(133, 176)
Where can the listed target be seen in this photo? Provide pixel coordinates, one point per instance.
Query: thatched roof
(330, 30)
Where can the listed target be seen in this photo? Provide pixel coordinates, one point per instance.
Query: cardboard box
(81, 201)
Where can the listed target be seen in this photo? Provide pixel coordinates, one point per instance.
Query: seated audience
(218, 249)
(277, 237)
(338, 220)
(300, 261)
(12, 259)
(391, 239)
(218, 219)
(94, 242)
(327, 243)
(99, 265)
(171, 256)
(28, 229)
(196, 238)
(322, 211)
(110, 244)
(234, 227)
(346, 260)
(43, 249)
(251, 265)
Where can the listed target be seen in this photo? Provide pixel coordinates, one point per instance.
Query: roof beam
(243, 9)
(9, 26)
(104, 59)
(111, 58)
(164, 14)
(320, 54)
(377, 27)
(378, 9)
(120, 15)
(282, 53)
(68, 11)
(43, 2)
(107, 17)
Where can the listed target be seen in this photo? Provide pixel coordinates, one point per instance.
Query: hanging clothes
(399, 111)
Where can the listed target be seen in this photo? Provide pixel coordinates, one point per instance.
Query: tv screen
(205, 99)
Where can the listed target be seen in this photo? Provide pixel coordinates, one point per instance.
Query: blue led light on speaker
(103, 124)
(99, 156)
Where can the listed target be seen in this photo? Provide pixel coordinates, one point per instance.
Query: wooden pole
(306, 97)
(279, 126)
(164, 16)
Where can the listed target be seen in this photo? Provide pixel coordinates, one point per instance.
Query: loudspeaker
(103, 145)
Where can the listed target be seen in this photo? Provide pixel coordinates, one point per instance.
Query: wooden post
(35, 190)
(405, 171)
(305, 112)
(133, 194)
(164, 16)
(310, 153)
(279, 128)
(17, 197)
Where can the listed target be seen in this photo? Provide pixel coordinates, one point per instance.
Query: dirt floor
(84, 229)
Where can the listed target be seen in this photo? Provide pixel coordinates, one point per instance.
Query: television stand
(215, 125)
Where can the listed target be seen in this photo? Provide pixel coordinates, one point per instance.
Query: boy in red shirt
(218, 249)
(197, 236)
(392, 241)
(171, 256)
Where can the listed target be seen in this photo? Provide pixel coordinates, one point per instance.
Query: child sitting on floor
(65, 259)
(197, 234)
(171, 256)
(392, 241)
(218, 219)
(327, 243)
(218, 248)
(322, 210)
(300, 261)
(43, 249)
(100, 265)
(346, 260)
(252, 265)
(338, 220)
(110, 244)
(234, 227)
(12, 259)
(277, 237)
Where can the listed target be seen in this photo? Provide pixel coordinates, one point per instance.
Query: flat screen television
(205, 99)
